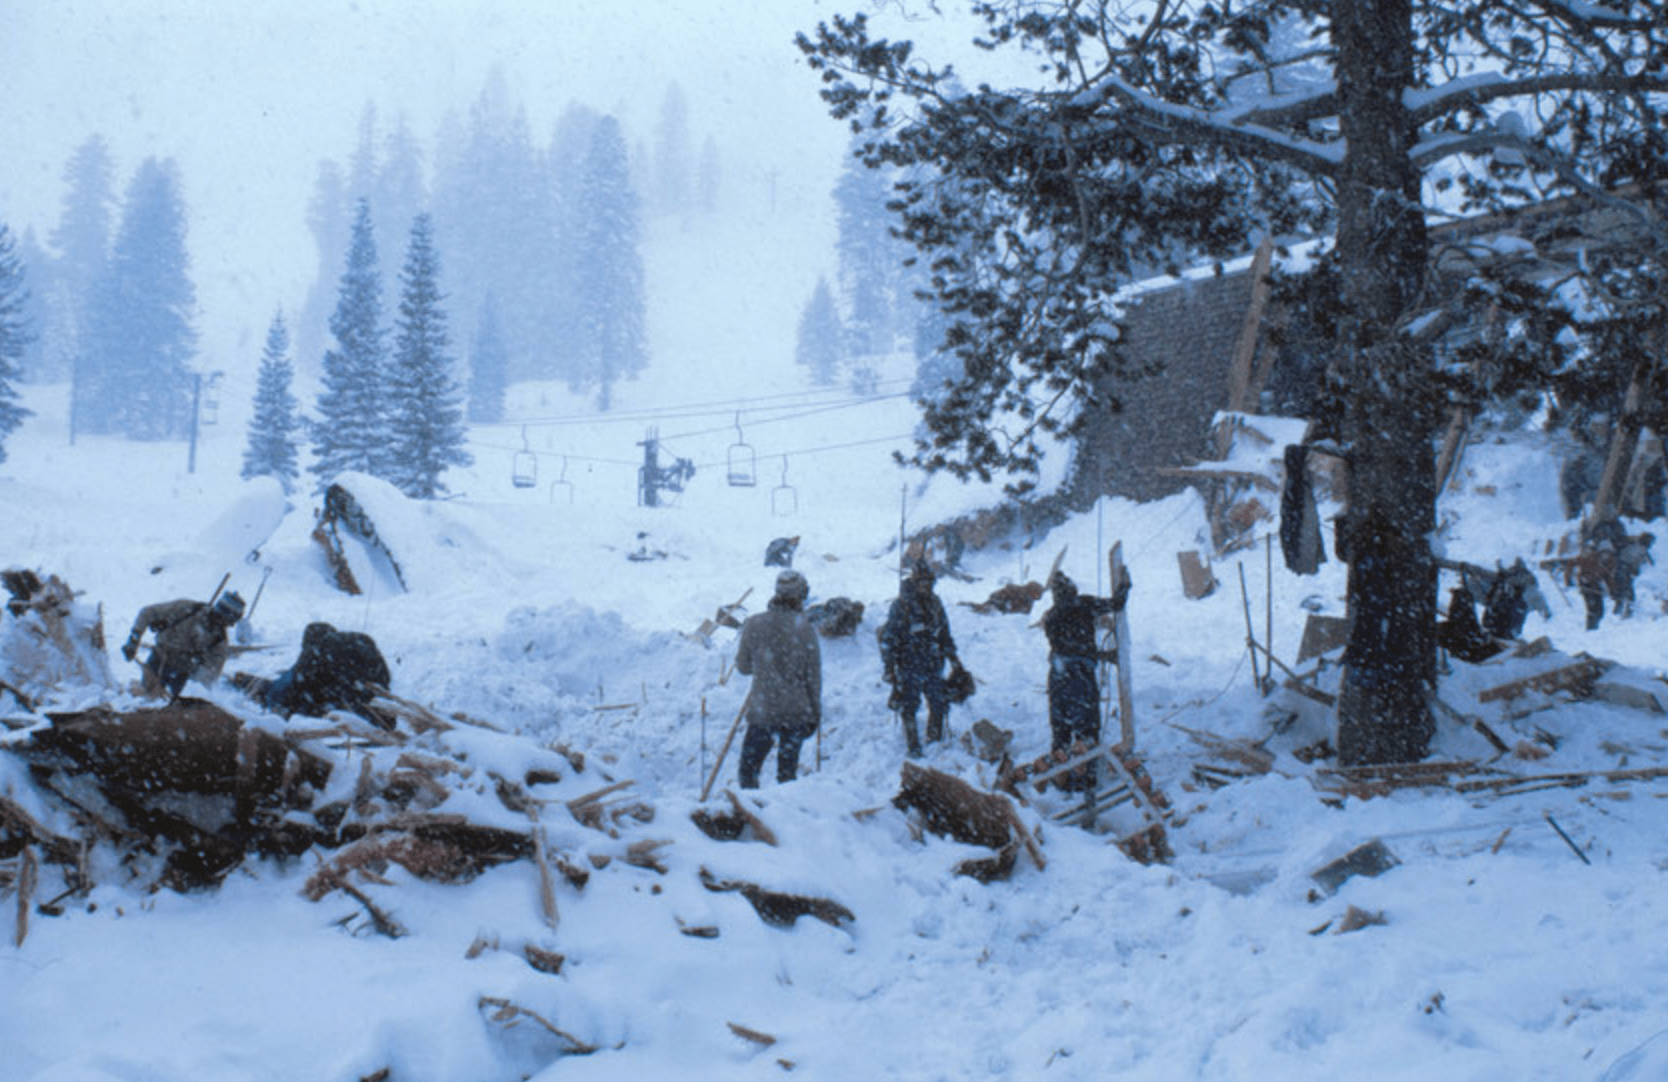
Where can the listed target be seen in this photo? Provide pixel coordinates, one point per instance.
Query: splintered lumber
(1475, 723)
(508, 1014)
(1578, 678)
(779, 908)
(952, 808)
(58, 850)
(419, 717)
(753, 1035)
(544, 961)
(26, 875)
(589, 809)
(729, 828)
(1379, 778)
(1248, 753)
(382, 922)
(1514, 783)
(547, 885)
(646, 854)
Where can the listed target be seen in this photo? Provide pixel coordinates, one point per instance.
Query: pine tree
(272, 450)
(611, 292)
(672, 164)
(821, 336)
(426, 415)
(871, 260)
(13, 337)
(82, 236)
(350, 433)
(131, 375)
(488, 367)
(1190, 134)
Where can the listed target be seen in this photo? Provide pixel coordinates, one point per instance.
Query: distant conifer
(272, 450)
(425, 403)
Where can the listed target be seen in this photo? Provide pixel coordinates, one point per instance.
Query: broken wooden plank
(1510, 783)
(1474, 722)
(1197, 579)
(1578, 678)
(752, 1035)
(1369, 859)
(507, 1014)
(1322, 635)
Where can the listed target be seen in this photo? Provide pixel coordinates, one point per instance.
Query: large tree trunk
(1383, 712)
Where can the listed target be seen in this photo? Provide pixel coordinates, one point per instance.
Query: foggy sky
(248, 97)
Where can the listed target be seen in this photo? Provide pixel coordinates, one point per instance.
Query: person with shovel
(779, 650)
(915, 643)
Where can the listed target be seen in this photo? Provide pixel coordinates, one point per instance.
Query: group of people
(1608, 563)
(334, 670)
(779, 649)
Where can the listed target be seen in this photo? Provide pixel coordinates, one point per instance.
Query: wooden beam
(1240, 376)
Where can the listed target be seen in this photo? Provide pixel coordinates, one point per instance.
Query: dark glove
(889, 674)
(895, 701)
(130, 648)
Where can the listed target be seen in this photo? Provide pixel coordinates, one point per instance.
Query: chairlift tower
(652, 477)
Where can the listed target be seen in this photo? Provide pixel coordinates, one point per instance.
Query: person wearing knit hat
(780, 651)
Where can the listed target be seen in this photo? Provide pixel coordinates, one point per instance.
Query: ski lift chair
(525, 472)
(562, 484)
(784, 498)
(742, 462)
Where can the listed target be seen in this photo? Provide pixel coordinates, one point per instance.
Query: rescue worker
(1073, 689)
(335, 670)
(915, 644)
(779, 650)
(191, 642)
(1634, 555)
(1593, 568)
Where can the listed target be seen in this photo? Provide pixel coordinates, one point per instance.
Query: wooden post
(725, 750)
(1624, 442)
(1120, 635)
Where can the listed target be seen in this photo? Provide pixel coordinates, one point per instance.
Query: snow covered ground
(1502, 953)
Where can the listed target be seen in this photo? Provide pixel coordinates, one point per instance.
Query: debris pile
(48, 641)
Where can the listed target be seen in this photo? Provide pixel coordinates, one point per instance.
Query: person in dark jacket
(915, 644)
(780, 651)
(191, 642)
(335, 670)
(1073, 690)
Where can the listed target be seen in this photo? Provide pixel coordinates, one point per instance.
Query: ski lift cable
(788, 416)
(484, 446)
(701, 409)
(809, 451)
